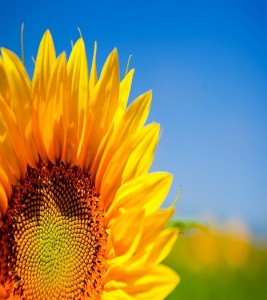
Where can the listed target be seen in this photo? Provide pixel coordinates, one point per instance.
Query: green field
(216, 266)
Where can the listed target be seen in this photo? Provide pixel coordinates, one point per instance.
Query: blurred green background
(220, 262)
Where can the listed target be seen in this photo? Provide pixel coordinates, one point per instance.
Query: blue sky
(206, 62)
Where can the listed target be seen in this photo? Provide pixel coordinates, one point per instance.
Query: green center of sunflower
(53, 239)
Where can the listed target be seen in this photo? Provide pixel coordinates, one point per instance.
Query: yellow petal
(19, 84)
(136, 114)
(45, 62)
(52, 134)
(146, 192)
(102, 107)
(117, 294)
(117, 173)
(132, 121)
(152, 229)
(5, 180)
(123, 243)
(144, 282)
(163, 245)
(19, 103)
(156, 285)
(141, 158)
(125, 88)
(14, 137)
(93, 73)
(3, 201)
(4, 88)
(8, 159)
(154, 225)
(78, 98)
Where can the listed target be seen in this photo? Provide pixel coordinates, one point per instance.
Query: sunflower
(80, 213)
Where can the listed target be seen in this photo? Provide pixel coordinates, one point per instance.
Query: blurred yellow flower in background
(217, 245)
(222, 261)
(80, 213)
(236, 243)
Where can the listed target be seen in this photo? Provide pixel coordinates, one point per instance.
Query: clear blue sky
(206, 62)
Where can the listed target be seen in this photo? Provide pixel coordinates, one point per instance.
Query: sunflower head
(80, 213)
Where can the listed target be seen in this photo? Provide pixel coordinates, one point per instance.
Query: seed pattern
(53, 238)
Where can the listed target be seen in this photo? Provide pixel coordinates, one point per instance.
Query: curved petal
(117, 294)
(131, 122)
(13, 141)
(123, 243)
(3, 201)
(143, 282)
(19, 104)
(76, 106)
(125, 88)
(146, 192)
(52, 132)
(141, 158)
(93, 72)
(45, 61)
(163, 245)
(130, 160)
(4, 88)
(103, 105)
(154, 225)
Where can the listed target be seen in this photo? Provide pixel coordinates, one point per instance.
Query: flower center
(53, 240)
